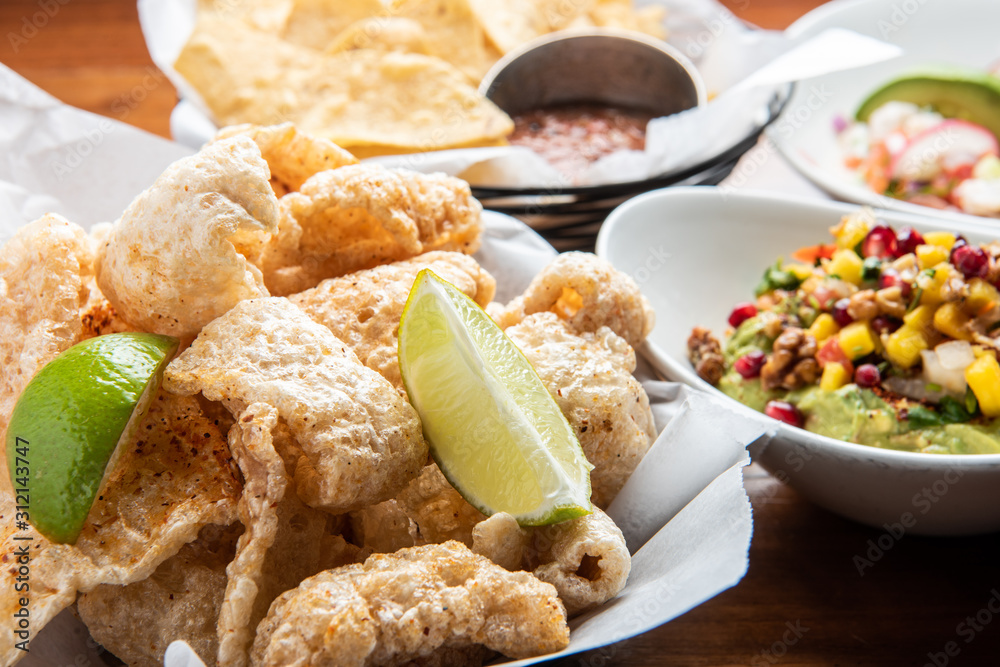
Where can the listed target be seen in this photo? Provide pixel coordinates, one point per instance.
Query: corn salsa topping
(884, 337)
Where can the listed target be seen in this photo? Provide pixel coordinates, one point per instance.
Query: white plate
(696, 252)
(932, 32)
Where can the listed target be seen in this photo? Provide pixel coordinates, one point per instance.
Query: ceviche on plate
(930, 138)
(883, 337)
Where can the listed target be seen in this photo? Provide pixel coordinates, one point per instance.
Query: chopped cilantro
(777, 278)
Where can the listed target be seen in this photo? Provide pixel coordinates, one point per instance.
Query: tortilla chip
(292, 156)
(382, 34)
(455, 35)
(359, 442)
(266, 15)
(173, 260)
(363, 308)
(360, 216)
(174, 478)
(180, 600)
(354, 98)
(316, 23)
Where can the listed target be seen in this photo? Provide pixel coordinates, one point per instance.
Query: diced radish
(955, 354)
(952, 140)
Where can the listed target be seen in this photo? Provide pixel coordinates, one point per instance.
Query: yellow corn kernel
(856, 340)
(799, 270)
(933, 287)
(950, 320)
(920, 317)
(834, 377)
(903, 346)
(983, 376)
(982, 296)
(941, 239)
(823, 327)
(851, 231)
(846, 264)
(929, 255)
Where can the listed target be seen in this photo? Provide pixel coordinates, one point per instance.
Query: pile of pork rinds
(278, 504)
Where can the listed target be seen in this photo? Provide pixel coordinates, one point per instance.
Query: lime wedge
(64, 432)
(493, 428)
(953, 92)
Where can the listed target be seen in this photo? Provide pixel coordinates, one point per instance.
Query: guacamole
(851, 413)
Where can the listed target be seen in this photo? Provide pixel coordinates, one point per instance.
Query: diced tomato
(831, 352)
(961, 172)
(811, 254)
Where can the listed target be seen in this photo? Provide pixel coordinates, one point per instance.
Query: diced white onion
(955, 354)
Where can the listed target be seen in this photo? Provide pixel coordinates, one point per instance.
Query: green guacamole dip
(851, 413)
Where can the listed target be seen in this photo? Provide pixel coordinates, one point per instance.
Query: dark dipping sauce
(573, 137)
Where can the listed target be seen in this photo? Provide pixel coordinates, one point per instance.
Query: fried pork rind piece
(360, 216)
(588, 293)
(408, 607)
(585, 559)
(358, 441)
(502, 540)
(438, 511)
(363, 308)
(182, 253)
(590, 376)
(180, 600)
(44, 272)
(174, 477)
(292, 156)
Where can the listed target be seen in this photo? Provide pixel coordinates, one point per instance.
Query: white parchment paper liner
(684, 511)
(725, 51)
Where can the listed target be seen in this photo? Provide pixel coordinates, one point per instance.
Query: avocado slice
(968, 94)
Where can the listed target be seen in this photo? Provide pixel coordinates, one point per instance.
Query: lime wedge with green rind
(65, 430)
(493, 428)
(954, 92)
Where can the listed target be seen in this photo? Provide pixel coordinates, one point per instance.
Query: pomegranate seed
(971, 261)
(907, 240)
(867, 375)
(880, 242)
(840, 314)
(883, 324)
(741, 313)
(785, 412)
(749, 364)
(890, 278)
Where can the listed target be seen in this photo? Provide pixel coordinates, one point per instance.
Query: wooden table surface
(802, 602)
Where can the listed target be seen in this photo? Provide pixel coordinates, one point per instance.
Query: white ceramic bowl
(931, 32)
(698, 251)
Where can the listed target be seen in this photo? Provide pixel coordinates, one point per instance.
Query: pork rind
(438, 511)
(357, 441)
(180, 600)
(590, 377)
(44, 271)
(360, 216)
(409, 607)
(502, 540)
(585, 559)
(173, 478)
(363, 308)
(181, 254)
(292, 156)
(588, 293)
